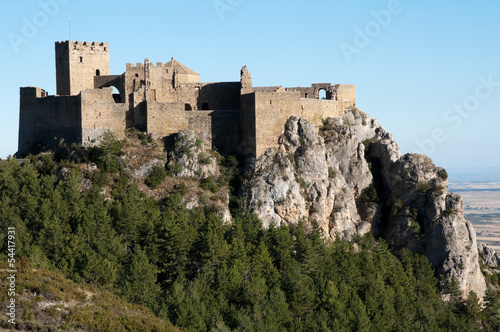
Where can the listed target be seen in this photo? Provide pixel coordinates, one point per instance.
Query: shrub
(145, 138)
(443, 174)
(209, 184)
(203, 160)
(181, 188)
(449, 212)
(155, 177)
(174, 169)
(368, 142)
(423, 187)
(100, 178)
(332, 172)
(415, 227)
(438, 188)
(370, 195)
(326, 126)
(347, 122)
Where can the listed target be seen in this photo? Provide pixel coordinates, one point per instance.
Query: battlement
(131, 65)
(81, 45)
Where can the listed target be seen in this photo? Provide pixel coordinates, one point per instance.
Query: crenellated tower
(77, 63)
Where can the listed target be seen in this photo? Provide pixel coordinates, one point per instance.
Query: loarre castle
(163, 99)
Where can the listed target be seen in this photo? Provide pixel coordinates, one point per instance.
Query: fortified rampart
(162, 99)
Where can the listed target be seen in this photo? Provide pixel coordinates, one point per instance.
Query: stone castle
(162, 99)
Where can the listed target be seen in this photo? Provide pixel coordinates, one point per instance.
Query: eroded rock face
(302, 181)
(190, 159)
(488, 255)
(327, 178)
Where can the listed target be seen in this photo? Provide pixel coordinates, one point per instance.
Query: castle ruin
(162, 99)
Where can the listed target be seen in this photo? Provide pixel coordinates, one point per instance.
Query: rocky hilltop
(350, 178)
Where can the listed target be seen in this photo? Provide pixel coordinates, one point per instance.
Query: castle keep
(162, 99)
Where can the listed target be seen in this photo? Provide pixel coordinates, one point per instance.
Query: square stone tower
(77, 63)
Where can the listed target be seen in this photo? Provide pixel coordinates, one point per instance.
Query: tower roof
(174, 64)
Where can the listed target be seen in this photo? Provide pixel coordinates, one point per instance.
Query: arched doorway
(188, 107)
(322, 94)
(97, 72)
(204, 107)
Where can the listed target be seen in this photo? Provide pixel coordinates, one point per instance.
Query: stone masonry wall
(77, 63)
(44, 120)
(247, 114)
(217, 129)
(164, 119)
(272, 109)
(345, 95)
(100, 113)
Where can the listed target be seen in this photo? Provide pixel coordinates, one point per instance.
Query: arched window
(97, 72)
(307, 95)
(322, 94)
(188, 107)
(204, 107)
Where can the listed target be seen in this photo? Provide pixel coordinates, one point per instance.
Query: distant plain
(481, 196)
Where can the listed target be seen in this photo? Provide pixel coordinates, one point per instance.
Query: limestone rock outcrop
(488, 255)
(350, 178)
(189, 158)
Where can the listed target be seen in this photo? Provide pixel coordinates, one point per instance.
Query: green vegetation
(189, 268)
(443, 174)
(156, 176)
(106, 155)
(326, 126)
(369, 195)
(209, 184)
(368, 142)
(71, 306)
(449, 212)
(203, 160)
(423, 187)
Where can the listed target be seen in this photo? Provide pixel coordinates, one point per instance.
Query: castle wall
(134, 79)
(248, 126)
(77, 63)
(220, 96)
(315, 110)
(218, 129)
(44, 120)
(272, 109)
(164, 119)
(345, 94)
(100, 113)
(160, 83)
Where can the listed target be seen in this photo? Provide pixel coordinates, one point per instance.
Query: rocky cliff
(350, 178)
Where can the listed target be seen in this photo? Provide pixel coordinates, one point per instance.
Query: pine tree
(140, 280)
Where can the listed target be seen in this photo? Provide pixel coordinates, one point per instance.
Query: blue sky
(427, 70)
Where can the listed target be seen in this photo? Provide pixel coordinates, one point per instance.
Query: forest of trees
(188, 267)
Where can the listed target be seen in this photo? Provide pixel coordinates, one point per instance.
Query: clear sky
(429, 71)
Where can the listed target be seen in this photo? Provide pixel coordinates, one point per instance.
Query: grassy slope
(47, 301)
